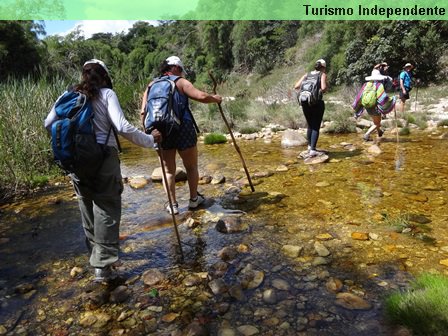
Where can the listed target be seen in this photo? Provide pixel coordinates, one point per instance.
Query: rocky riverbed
(313, 251)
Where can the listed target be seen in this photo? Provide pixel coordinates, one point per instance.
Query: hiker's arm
(299, 83)
(143, 108)
(123, 127)
(402, 85)
(189, 90)
(323, 82)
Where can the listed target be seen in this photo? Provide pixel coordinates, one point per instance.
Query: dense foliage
(350, 47)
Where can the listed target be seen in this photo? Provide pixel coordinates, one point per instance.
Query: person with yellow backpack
(373, 98)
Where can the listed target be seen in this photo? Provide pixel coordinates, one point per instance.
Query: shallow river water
(381, 219)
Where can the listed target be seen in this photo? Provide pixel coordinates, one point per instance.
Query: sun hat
(100, 63)
(408, 65)
(174, 60)
(322, 62)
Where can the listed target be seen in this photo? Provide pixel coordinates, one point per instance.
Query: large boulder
(157, 176)
(291, 138)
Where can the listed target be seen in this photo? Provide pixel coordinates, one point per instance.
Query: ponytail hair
(93, 78)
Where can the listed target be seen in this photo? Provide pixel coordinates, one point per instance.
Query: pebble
(352, 302)
(152, 277)
(270, 296)
(281, 284)
(321, 250)
(292, 250)
(248, 330)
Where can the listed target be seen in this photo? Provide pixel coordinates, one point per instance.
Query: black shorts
(404, 96)
(185, 138)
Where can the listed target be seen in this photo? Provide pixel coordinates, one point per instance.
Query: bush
(423, 308)
(442, 123)
(405, 131)
(215, 138)
(341, 121)
(248, 129)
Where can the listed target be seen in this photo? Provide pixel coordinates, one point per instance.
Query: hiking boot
(194, 203)
(103, 274)
(380, 132)
(366, 137)
(175, 208)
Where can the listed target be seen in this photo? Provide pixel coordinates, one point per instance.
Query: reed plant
(423, 308)
(26, 157)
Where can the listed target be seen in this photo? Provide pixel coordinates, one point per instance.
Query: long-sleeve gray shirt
(108, 110)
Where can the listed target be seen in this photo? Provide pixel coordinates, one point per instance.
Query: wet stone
(206, 179)
(157, 176)
(324, 236)
(120, 294)
(251, 278)
(137, 182)
(292, 251)
(317, 159)
(237, 293)
(248, 330)
(192, 280)
(228, 253)
(420, 219)
(218, 179)
(334, 285)
(218, 286)
(226, 332)
(352, 302)
(360, 236)
(195, 329)
(24, 288)
(75, 271)
(231, 224)
(270, 296)
(374, 149)
(281, 284)
(152, 277)
(321, 250)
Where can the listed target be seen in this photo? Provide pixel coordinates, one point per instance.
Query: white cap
(96, 61)
(174, 60)
(322, 62)
(408, 65)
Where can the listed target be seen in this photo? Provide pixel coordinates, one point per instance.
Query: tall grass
(423, 308)
(24, 143)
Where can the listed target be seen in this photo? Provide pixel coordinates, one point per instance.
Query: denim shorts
(185, 138)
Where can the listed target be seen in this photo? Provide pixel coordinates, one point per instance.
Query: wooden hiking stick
(397, 151)
(231, 133)
(165, 180)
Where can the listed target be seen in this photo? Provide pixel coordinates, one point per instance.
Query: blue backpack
(161, 111)
(73, 138)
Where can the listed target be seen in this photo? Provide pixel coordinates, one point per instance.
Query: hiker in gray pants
(100, 197)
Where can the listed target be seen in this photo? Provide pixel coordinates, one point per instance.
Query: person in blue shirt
(405, 84)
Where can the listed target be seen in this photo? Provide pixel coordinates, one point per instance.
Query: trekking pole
(416, 92)
(397, 151)
(231, 133)
(165, 180)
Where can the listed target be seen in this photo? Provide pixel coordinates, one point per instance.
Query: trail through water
(319, 237)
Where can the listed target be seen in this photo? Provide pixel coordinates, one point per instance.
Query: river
(361, 223)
